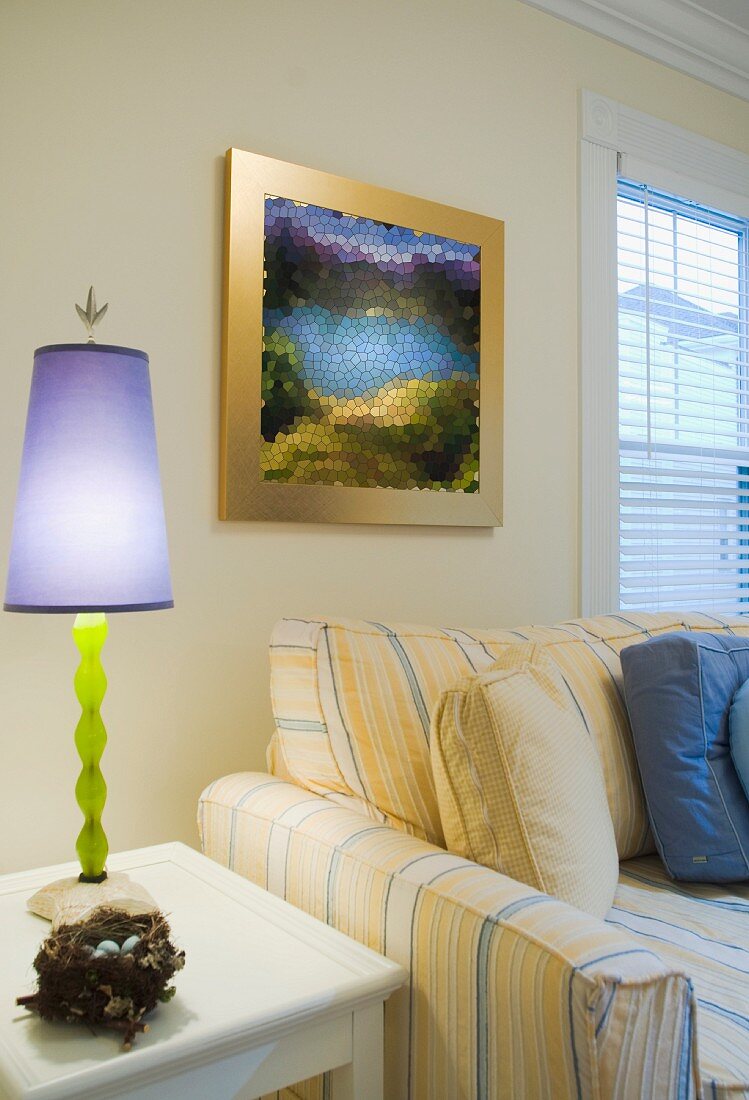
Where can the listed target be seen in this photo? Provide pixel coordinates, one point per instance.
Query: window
(664, 380)
(683, 404)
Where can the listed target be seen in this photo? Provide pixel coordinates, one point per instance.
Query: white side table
(268, 996)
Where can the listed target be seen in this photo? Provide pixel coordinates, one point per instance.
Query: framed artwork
(362, 353)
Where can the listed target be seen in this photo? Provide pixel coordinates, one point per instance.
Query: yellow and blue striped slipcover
(352, 703)
(513, 995)
(702, 931)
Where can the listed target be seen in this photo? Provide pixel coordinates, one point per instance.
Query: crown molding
(678, 33)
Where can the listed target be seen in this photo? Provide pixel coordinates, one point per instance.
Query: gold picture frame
(252, 179)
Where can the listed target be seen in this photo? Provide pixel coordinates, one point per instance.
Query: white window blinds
(683, 404)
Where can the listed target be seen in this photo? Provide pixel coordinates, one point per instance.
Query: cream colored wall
(114, 116)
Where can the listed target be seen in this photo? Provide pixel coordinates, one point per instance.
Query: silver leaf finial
(90, 315)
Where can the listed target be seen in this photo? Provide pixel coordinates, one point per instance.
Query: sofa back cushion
(352, 702)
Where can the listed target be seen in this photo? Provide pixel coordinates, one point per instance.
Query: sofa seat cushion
(703, 931)
(352, 702)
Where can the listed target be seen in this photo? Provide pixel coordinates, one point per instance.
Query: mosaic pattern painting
(370, 373)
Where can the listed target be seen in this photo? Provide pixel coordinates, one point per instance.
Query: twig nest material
(106, 971)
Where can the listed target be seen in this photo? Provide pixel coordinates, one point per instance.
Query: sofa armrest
(511, 993)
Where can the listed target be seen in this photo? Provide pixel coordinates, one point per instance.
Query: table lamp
(89, 536)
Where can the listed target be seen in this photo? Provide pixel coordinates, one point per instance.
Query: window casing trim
(616, 140)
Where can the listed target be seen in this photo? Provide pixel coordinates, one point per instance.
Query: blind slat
(648, 534)
(700, 599)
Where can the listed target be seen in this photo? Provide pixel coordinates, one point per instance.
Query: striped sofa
(512, 993)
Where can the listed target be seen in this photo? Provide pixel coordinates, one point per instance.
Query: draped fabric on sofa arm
(511, 993)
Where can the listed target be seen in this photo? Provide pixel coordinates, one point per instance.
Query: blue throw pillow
(678, 689)
(738, 730)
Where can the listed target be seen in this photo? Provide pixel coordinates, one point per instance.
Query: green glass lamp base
(90, 632)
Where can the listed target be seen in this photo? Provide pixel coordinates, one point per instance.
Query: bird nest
(81, 984)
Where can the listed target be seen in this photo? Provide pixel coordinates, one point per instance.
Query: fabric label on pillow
(679, 689)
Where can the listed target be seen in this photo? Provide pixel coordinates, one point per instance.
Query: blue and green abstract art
(370, 373)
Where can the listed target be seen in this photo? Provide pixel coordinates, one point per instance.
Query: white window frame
(616, 140)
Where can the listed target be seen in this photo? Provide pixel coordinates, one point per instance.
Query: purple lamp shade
(89, 532)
